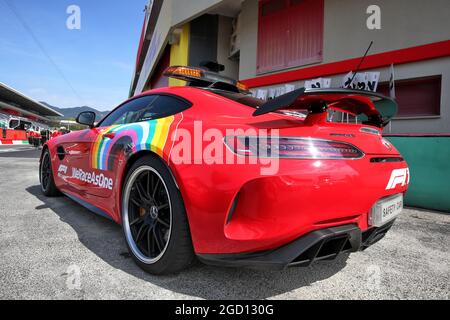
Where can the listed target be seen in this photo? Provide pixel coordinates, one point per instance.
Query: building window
(419, 97)
(290, 34)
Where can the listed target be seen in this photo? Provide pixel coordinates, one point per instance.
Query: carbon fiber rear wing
(372, 108)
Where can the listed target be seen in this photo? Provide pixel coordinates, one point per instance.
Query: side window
(146, 108)
(129, 112)
(164, 106)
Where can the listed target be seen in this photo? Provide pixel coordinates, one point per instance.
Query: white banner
(367, 81)
(318, 83)
(262, 94)
(347, 80)
(272, 93)
(392, 83)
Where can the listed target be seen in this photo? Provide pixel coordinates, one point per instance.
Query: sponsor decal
(398, 176)
(149, 135)
(62, 169)
(98, 180)
(369, 130)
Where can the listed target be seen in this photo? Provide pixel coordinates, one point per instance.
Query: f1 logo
(62, 169)
(398, 176)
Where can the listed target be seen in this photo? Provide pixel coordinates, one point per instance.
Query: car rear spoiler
(372, 108)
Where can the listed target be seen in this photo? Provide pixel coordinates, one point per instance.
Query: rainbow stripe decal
(149, 135)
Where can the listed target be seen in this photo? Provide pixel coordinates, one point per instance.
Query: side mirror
(86, 118)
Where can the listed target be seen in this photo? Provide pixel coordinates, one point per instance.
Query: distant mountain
(72, 113)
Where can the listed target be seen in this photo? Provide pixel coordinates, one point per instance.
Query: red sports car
(209, 171)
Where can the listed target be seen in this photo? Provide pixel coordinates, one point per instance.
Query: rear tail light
(297, 148)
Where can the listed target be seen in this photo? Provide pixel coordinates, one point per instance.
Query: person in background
(45, 136)
(31, 136)
(55, 134)
(36, 137)
(60, 132)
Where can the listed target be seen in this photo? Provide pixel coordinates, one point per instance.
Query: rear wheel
(48, 186)
(154, 219)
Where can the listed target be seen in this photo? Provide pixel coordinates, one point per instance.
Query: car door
(103, 150)
(71, 151)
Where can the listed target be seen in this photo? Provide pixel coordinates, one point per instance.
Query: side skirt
(89, 206)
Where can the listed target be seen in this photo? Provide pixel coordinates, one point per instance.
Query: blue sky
(97, 60)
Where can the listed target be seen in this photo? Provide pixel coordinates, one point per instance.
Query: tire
(154, 219)
(46, 180)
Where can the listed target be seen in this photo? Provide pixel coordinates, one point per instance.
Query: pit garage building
(276, 45)
(19, 113)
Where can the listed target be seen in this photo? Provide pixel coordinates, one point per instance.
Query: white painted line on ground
(16, 149)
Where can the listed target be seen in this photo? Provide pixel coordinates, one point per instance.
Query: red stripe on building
(408, 55)
(141, 41)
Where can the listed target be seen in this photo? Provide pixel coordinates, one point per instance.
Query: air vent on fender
(61, 153)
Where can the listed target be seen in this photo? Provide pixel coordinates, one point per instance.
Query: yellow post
(179, 54)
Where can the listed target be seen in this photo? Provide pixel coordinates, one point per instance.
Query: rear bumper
(248, 212)
(323, 244)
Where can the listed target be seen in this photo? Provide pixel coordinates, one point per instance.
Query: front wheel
(154, 219)
(48, 186)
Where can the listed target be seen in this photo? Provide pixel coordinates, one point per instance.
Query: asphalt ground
(55, 249)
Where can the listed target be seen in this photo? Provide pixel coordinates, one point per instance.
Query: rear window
(239, 97)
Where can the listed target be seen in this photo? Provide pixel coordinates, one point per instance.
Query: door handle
(110, 135)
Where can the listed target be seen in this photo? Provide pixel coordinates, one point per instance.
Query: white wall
(249, 32)
(405, 23)
(186, 10)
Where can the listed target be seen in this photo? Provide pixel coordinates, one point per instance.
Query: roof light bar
(184, 72)
(242, 87)
(203, 78)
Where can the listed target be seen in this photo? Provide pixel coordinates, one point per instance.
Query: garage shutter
(290, 33)
(417, 97)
